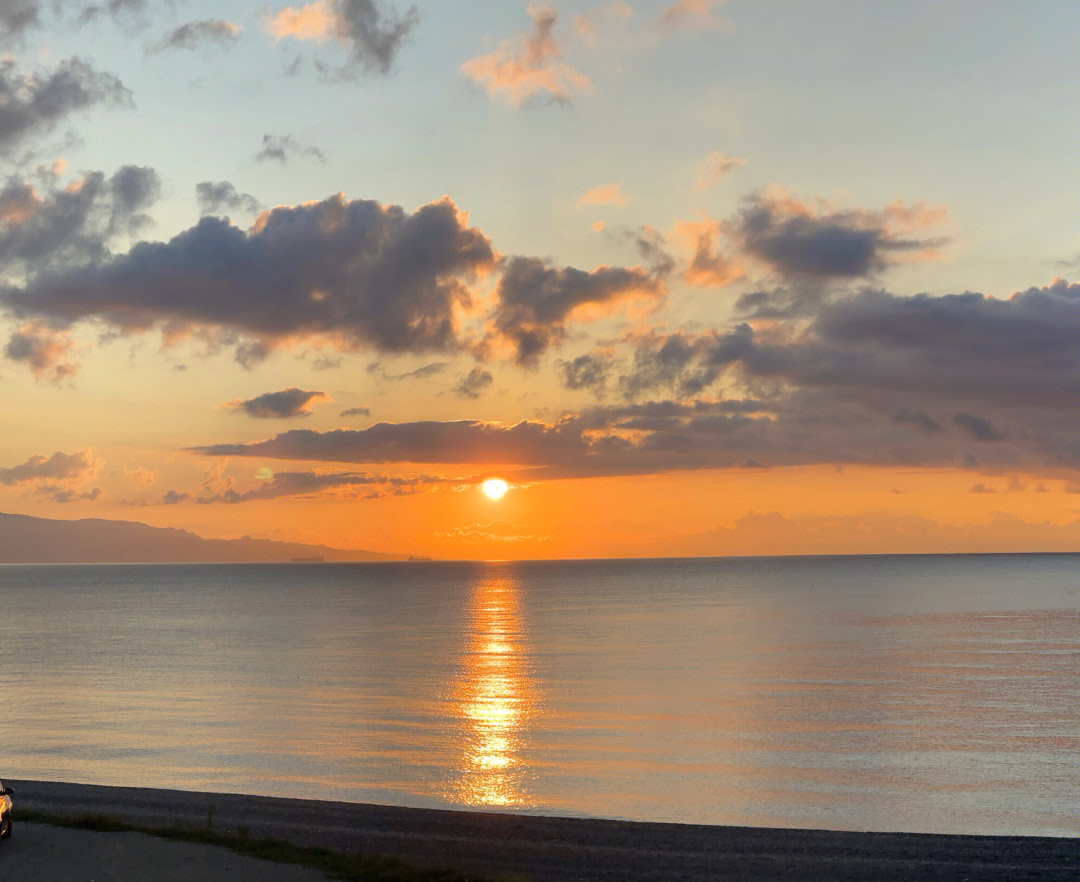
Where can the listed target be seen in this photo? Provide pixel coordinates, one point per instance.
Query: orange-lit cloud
(44, 350)
(689, 13)
(608, 194)
(528, 65)
(60, 476)
(373, 35)
(316, 21)
(707, 266)
(713, 168)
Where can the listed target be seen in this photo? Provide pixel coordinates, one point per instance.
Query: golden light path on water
(495, 696)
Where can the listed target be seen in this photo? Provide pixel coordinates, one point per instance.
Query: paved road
(56, 854)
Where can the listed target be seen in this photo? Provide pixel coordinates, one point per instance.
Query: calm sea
(937, 694)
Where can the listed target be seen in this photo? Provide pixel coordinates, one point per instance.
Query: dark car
(5, 811)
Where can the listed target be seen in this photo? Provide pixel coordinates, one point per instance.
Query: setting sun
(495, 488)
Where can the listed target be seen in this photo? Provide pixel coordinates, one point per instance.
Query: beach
(498, 845)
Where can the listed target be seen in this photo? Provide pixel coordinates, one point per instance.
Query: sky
(693, 277)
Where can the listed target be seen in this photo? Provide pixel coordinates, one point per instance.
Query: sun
(495, 488)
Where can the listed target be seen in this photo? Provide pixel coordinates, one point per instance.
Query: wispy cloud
(372, 33)
(607, 194)
(528, 65)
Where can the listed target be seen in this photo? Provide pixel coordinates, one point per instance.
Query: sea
(935, 694)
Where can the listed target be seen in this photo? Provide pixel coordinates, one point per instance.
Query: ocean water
(923, 693)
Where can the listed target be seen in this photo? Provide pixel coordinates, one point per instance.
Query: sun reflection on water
(494, 697)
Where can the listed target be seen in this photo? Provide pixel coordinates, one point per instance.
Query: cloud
(69, 470)
(373, 35)
(978, 428)
(193, 34)
(357, 411)
(124, 12)
(74, 223)
(281, 147)
(652, 437)
(279, 405)
(535, 300)
(688, 14)
(319, 269)
(918, 418)
(801, 241)
(16, 16)
(589, 371)
(881, 347)
(496, 531)
(528, 65)
(713, 168)
(473, 383)
(31, 104)
(43, 349)
(213, 196)
(420, 373)
(174, 497)
(707, 267)
(587, 26)
(609, 194)
(316, 484)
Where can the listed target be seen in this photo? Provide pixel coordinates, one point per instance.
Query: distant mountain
(25, 539)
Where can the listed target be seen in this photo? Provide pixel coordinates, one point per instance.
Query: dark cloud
(652, 437)
(213, 196)
(815, 247)
(466, 441)
(654, 251)
(855, 385)
(74, 223)
(281, 147)
(248, 355)
(536, 300)
(885, 350)
(31, 104)
(173, 497)
(427, 370)
(472, 384)
(632, 439)
(918, 418)
(16, 16)
(44, 350)
(125, 12)
(682, 363)
(132, 189)
(357, 411)
(67, 495)
(589, 371)
(66, 468)
(193, 34)
(314, 484)
(280, 405)
(840, 245)
(317, 269)
(978, 428)
(375, 35)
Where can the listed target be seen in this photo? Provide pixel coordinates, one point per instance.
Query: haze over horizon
(691, 277)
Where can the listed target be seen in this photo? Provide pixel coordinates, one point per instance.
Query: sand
(540, 849)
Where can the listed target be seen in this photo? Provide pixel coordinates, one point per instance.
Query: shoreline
(542, 848)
